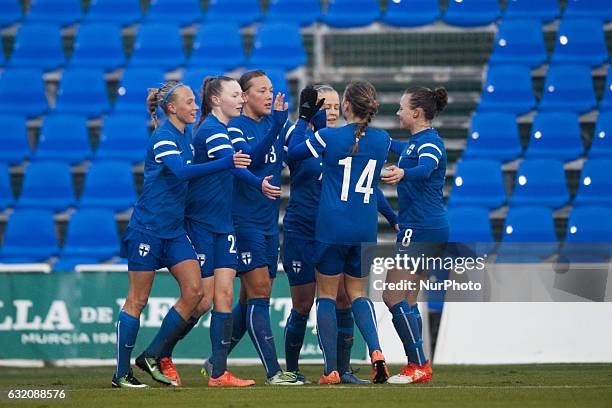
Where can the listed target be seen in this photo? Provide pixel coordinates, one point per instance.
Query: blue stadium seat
(48, 186)
(606, 100)
(493, 135)
(15, 98)
(158, 45)
(543, 10)
(20, 242)
(531, 225)
(588, 235)
(595, 186)
(279, 83)
(411, 13)
(183, 12)
(508, 88)
(123, 137)
(241, 12)
(278, 45)
(194, 77)
(73, 97)
(38, 45)
(580, 41)
(132, 91)
(469, 224)
(92, 233)
(478, 182)
(471, 13)
(602, 139)
(599, 9)
(11, 12)
(568, 87)
(98, 45)
(351, 13)
(109, 184)
(6, 193)
(519, 42)
(540, 182)
(217, 45)
(14, 139)
(302, 12)
(68, 263)
(64, 137)
(122, 12)
(555, 135)
(62, 12)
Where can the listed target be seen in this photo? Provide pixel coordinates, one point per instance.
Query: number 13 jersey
(348, 210)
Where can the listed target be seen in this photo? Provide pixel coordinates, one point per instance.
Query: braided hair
(362, 97)
(159, 98)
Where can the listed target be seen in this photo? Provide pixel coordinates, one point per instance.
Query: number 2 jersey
(348, 210)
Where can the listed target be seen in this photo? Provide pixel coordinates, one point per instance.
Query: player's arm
(166, 152)
(314, 146)
(429, 158)
(384, 207)
(397, 147)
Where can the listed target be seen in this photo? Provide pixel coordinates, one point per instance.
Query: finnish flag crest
(143, 249)
(246, 258)
(297, 266)
(202, 259)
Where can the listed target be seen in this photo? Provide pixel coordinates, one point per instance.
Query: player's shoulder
(162, 133)
(431, 137)
(238, 122)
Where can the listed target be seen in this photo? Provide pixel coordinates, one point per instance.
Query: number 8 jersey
(348, 211)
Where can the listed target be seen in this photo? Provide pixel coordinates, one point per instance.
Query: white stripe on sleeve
(235, 129)
(238, 139)
(217, 136)
(424, 145)
(431, 156)
(312, 149)
(168, 153)
(320, 139)
(163, 143)
(221, 147)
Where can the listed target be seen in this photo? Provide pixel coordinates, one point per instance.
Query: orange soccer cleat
(412, 373)
(331, 378)
(380, 372)
(169, 370)
(227, 379)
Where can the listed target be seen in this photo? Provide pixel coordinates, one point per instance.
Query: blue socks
(327, 331)
(346, 330)
(409, 325)
(363, 310)
(169, 349)
(295, 330)
(239, 326)
(220, 338)
(258, 325)
(171, 329)
(127, 330)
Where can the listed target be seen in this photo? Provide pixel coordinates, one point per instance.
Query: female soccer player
(156, 237)
(256, 222)
(419, 176)
(209, 218)
(353, 157)
(299, 242)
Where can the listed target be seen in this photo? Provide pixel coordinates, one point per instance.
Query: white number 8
(407, 237)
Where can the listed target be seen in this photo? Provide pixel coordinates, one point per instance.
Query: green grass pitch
(562, 385)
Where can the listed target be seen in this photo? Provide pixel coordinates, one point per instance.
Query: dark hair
(158, 97)
(362, 97)
(245, 79)
(432, 102)
(212, 86)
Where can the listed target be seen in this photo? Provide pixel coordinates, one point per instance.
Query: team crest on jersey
(202, 259)
(410, 149)
(143, 249)
(246, 258)
(297, 266)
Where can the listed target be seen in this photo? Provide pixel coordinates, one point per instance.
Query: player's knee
(303, 306)
(204, 306)
(193, 294)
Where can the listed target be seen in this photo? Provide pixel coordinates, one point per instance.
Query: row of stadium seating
(339, 13)
(157, 44)
(92, 235)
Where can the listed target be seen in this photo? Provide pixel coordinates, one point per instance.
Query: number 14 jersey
(348, 210)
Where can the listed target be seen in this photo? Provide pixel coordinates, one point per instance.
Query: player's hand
(279, 103)
(270, 191)
(241, 160)
(308, 103)
(392, 175)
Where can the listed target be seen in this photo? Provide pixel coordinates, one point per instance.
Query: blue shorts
(146, 252)
(418, 242)
(214, 250)
(334, 259)
(256, 250)
(297, 260)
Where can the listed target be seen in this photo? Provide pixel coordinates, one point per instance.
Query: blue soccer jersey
(421, 197)
(348, 207)
(160, 209)
(209, 201)
(251, 209)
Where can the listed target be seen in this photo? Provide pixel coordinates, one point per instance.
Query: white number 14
(364, 184)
